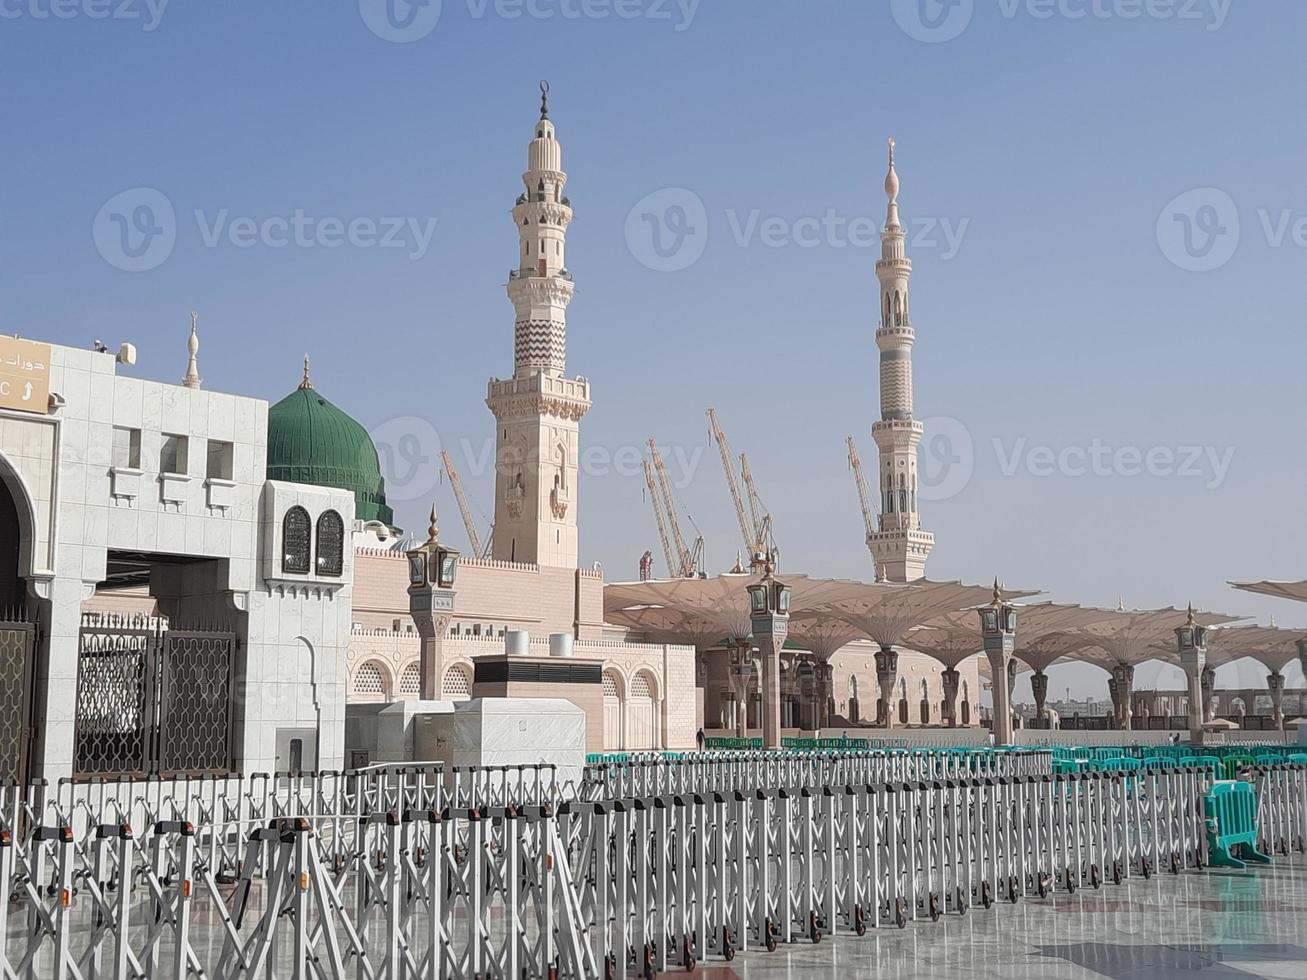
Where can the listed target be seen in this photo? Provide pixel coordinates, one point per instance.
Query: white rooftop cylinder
(517, 643)
(560, 644)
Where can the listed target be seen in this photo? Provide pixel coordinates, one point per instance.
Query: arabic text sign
(24, 375)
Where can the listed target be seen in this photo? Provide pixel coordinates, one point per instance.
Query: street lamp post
(432, 568)
(769, 616)
(1191, 643)
(998, 631)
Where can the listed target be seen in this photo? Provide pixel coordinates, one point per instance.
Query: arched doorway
(642, 715)
(612, 711)
(17, 633)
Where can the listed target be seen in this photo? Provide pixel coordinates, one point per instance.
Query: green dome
(311, 441)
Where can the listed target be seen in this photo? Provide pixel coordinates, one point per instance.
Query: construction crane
(868, 514)
(673, 560)
(464, 509)
(748, 530)
(764, 546)
(690, 558)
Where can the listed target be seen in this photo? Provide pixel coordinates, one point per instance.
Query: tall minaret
(539, 409)
(900, 548)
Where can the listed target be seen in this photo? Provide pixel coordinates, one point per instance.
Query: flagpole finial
(306, 384)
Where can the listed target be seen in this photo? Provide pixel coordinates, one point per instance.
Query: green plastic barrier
(1231, 810)
(1233, 763)
(1210, 762)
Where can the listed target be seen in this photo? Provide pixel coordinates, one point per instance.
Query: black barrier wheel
(934, 907)
(771, 935)
(986, 899)
(859, 921)
(647, 970)
(1116, 872)
(1095, 876)
(728, 944)
(1042, 886)
(687, 955)
(814, 927)
(1175, 863)
(960, 902)
(1013, 893)
(1147, 868)
(1070, 882)
(901, 913)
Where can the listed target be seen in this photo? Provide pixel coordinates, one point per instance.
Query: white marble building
(124, 494)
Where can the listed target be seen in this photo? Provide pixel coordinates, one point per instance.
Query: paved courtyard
(1222, 924)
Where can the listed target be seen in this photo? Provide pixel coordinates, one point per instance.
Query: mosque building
(193, 581)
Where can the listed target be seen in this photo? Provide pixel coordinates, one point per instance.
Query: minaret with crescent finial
(538, 410)
(900, 547)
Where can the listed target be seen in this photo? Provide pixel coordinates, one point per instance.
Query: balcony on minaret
(570, 395)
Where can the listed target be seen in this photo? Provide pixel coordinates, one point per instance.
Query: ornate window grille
(331, 544)
(295, 542)
(369, 683)
(410, 682)
(457, 684)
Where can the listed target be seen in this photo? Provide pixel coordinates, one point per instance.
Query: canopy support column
(887, 675)
(1039, 686)
(952, 681)
(1275, 687)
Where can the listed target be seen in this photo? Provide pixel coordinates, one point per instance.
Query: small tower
(900, 547)
(192, 377)
(539, 409)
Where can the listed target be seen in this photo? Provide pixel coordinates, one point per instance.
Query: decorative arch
(641, 727)
(410, 681)
(295, 544)
(371, 682)
(645, 684)
(456, 685)
(331, 544)
(614, 694)
(17, 537)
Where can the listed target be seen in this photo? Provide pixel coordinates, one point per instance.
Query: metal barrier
(364, 875)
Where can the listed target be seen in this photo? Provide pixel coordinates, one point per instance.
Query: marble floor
(1211, 925)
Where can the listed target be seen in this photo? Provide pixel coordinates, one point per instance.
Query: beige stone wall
(492, 596)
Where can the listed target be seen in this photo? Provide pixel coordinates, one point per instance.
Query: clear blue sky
(1055, 144)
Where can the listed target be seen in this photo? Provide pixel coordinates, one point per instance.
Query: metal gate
(17, 647)
(151, 699)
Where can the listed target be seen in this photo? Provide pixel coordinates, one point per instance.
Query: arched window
(295, 542)
(369, 683)
(331, 544)
(410, 682)
(456, 684)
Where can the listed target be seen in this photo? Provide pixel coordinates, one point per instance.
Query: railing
(361, 874)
